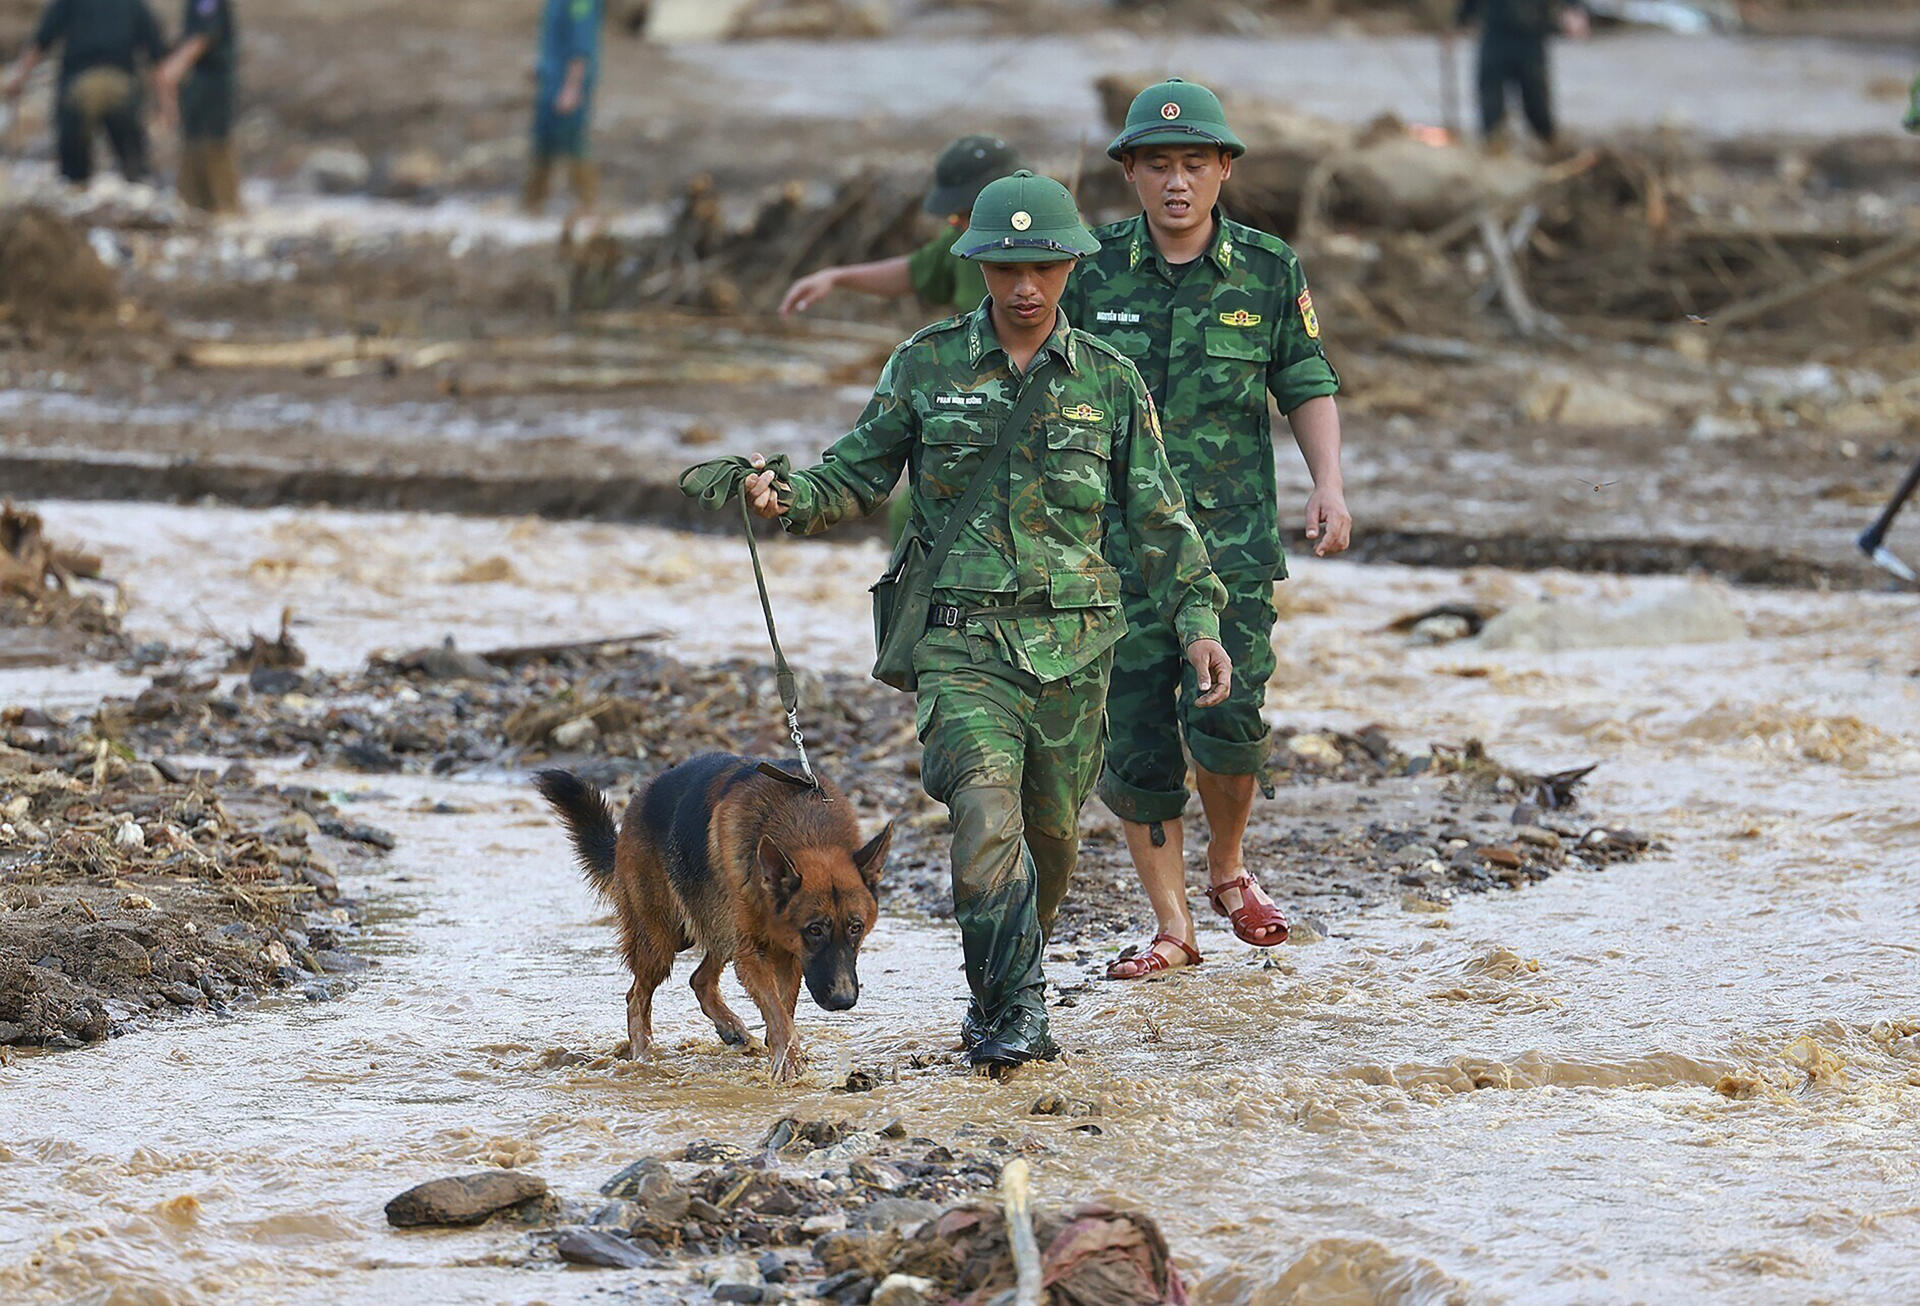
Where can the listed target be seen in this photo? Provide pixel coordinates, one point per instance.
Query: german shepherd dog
(745, 860)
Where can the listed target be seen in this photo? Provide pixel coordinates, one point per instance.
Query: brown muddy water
(1692, 1077)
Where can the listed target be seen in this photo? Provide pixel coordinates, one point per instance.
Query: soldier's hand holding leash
(762, 490)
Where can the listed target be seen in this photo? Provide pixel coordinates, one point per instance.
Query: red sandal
(1250, 915)
(1151, 961)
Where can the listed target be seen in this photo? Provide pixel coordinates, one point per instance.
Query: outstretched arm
(889, 278)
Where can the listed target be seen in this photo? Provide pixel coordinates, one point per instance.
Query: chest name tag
(1082, 413)
(1240, 318)
(961, 401)
(1111, 315)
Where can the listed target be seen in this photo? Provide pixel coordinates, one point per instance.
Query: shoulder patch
(1096, 343)
(935, 328)
(1245, 238)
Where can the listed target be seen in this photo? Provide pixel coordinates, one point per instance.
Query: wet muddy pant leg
(1230, 738)
(1145, 776)
(993, 903)
(971, 718)
(1064, 747)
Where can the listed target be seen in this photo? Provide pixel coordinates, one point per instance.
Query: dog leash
(783, 677)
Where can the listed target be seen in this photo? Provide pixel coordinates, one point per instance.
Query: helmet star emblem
(1170, 110)
(1021, 220)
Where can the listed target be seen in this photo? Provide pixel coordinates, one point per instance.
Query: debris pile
(825, 1211)
(44, 615)
(130, 889)
(50, 277)
(707, 261)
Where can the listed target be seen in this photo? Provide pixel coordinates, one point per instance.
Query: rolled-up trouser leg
(993, 903)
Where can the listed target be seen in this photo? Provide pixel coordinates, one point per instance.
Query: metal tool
(1870, 540)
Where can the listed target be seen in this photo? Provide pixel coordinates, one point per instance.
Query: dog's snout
(840, 999)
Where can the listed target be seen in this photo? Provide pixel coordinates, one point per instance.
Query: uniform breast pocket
(1077, 456)
(951, 452)
(1236, 365)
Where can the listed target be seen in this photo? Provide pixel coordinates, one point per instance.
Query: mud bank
(136, 890)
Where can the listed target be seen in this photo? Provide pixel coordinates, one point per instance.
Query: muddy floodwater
(1692, 1077)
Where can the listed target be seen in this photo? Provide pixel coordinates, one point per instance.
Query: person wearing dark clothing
(197, 83)
(1513, 52)
(98, 87)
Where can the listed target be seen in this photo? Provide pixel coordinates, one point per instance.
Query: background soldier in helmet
(940, 278)
(1217, 316)
(100, 43)
(1513, 52)
(1013, 668)
(197, 89)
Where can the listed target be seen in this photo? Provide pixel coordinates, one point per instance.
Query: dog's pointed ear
(872, 858)
(782, 876)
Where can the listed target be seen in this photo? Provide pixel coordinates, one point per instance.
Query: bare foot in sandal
(1166, 952)
(1254, 916)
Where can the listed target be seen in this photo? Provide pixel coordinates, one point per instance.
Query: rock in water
(463, 1199)
(1697, 614)
(597, 1247)
(649, 1185)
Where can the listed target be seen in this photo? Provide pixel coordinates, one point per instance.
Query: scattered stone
(575, 734)
(1537, 836)
(772, 1268)
(599, 1248)
(1316, 750)
(648, 1184)
(903, 1290)
(274, 680)
(893, 1213)
(336, 170)
(463, 1199)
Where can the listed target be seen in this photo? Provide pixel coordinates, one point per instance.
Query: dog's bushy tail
(589, 820)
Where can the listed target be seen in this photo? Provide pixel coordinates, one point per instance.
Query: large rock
(1697, 614)
(1586, 402)
(463, 1199)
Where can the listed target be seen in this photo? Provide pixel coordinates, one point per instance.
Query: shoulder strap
(1023, 410)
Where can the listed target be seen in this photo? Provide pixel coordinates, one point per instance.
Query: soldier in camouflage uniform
(1217, 316)
(934, 273)
(1013, 670)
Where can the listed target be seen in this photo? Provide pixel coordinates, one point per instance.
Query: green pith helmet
(963, 168)
(1174, 112)
(1025, 219)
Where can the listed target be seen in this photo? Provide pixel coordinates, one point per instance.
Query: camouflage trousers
(1014, 760)
(1150, 707)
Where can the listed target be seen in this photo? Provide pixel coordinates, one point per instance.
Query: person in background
(98, 88)
(196, 85)
(1513, 52)
(563, 103)
(941, 278)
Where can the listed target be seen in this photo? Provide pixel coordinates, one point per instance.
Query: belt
(952, 616)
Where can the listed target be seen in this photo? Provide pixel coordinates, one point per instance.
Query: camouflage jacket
(1037, 539)
(942, 278)
(1211, 344)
